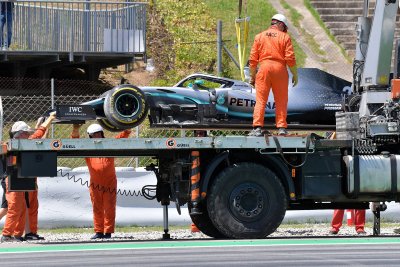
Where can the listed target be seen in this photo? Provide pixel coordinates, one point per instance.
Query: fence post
(86, 18)
(52, 104)
(219, 47)
(72, 37)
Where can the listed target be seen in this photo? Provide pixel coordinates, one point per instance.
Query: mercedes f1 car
(202, 101)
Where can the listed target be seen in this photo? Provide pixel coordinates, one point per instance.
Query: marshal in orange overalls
(15, 220)
(359, 220)
(103, 189)
(273, 51)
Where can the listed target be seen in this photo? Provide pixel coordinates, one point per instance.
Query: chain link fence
(28, 99)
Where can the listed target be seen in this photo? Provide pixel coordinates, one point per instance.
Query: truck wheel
(125, 106)
(205, 225)
(247, 200)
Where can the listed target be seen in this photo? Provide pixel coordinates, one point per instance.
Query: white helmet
(280, 18)
(94, 128)
(20, 126)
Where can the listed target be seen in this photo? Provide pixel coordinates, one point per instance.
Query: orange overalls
(33, 211)
(359, 219)
(15, 220)
(103, 190)
(273, 50)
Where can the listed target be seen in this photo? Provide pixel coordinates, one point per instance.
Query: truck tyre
(125, 106)
(205, 225)
(247, 200)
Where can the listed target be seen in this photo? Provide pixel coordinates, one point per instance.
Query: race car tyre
(107, 125)
(125, 106)
(205, 225)
(247, 200)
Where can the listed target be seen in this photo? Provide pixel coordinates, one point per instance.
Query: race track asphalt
(364, 251)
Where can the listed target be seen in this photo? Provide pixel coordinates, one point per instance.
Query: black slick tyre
(107, 125)
(125, 106)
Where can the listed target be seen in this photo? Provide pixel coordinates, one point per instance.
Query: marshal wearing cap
(21, 126)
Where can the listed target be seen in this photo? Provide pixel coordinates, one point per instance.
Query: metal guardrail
(76, 26)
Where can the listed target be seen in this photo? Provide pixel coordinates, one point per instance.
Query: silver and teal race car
(202, 101)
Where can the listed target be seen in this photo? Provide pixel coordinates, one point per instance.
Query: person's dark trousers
(6, 20)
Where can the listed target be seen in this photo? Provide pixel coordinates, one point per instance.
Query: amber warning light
(395, 88)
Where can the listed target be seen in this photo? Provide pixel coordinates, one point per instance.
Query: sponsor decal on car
(332, 106)
(242, 102)
(221, 99)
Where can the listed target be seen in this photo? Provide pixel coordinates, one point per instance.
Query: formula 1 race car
(202, 101)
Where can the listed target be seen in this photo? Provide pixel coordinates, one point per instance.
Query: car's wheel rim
(247, 201)
(127, 105)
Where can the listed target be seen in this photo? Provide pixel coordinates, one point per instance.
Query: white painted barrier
(64, 201)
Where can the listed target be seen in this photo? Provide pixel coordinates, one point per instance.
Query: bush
(182, 39)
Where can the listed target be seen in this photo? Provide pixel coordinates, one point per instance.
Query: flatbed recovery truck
(246, 184)
(241, 187)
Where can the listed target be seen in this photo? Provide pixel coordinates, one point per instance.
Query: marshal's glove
(253, 72)
(295, 78)
(252, 81)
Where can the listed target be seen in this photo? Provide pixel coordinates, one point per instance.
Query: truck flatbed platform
(152, 146)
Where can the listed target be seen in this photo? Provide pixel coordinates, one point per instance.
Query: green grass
(192, 28)
(260, 13)
(307, 3)
(138, 229)
(182, 39)
(295, 17)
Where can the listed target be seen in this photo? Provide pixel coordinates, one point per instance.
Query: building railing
(77, 26)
